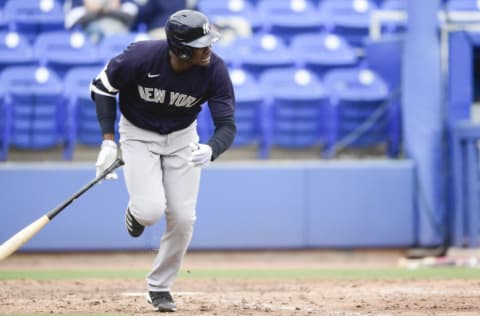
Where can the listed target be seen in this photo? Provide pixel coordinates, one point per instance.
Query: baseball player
(162, 85)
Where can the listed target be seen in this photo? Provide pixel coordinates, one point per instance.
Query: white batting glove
(108, 154)
(201, 155)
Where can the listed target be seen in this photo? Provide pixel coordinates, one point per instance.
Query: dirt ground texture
(235, 296)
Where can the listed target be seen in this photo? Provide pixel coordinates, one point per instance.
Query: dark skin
(200, 57)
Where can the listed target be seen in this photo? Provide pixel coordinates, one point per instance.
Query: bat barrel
(20, 238)
(17, 240)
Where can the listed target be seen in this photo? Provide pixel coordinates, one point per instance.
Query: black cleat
(162, 301)
(134, 228)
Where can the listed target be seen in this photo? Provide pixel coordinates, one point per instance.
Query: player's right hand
(108, 154)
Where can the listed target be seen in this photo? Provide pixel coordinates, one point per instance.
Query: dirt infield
(235, 296)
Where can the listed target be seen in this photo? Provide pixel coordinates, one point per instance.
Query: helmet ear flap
(185, 52)
(181, 51)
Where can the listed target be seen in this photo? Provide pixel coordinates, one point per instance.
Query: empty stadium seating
(350, 19)
(313, 36)
(235, 11)
(82, 127)
(115, 44)
(321, 52)
(248, 112)
(15, 50)
(33, 104)
(262, 52)
(62, 50)
(286, 19)
(32, 17)
(359, 111)
(295, 114)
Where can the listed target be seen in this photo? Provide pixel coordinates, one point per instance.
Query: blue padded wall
(241, 206)
(423, 117)
(93, 221)
(359, 204)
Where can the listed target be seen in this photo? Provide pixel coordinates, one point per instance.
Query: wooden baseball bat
(24, 235)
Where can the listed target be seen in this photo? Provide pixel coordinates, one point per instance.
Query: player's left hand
(108, 154)
(201, 155)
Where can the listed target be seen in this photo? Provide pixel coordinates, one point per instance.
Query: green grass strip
(384, 273)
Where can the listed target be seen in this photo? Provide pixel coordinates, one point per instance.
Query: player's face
(202, 56)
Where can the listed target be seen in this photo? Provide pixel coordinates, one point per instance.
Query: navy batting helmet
(188, 29)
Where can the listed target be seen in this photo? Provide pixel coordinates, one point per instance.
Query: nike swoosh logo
(149, 75)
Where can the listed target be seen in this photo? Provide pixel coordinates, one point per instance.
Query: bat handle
(117, 163)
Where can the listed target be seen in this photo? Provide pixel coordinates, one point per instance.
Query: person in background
(162, 86)
(100, 18)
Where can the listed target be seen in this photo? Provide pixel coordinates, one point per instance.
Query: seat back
(248, 107)
(114, 44)
(32, 17)
(248, 112)
(5, 123)
(261, 52)
(297, 100)
(360, 104)
(62, 50)
(232, 10)
(349, 18)
(286, 19)
(15, 50)
(34, 95)
(321, 52)
(83, 127)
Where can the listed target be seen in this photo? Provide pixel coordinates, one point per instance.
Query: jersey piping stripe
(104, 79)
(98, 91)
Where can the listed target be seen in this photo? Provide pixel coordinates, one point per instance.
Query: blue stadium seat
(5, 125)
(3, 19)
(228, 52)
(376, 52)
(33, 98)
(249, 101)
(62, 50)
(248, 111)
(359, 111)
(296, 108)
(286, 19)
(384, 56)
(31, 17)
(321, 52)
(261, 52)
(232, 10)
(15, 50)
(113, 45)
(82, 127)
(349, 18)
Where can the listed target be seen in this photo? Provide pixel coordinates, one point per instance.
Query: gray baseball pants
(160, 181)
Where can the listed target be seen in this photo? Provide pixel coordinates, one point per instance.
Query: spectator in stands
(100, 18)
(153, 14)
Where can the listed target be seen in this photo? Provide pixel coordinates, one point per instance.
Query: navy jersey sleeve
(222, 108)
(221, 99)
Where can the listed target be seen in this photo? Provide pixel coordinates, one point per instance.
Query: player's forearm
(106, 106)
(222, 139)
